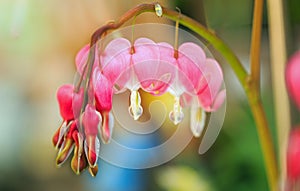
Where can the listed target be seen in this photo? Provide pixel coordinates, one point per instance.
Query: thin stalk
(256, 42)
(278, 57)
(254, 90)
(265, 137)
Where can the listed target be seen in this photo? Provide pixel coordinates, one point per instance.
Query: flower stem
(253, 94)
(250, 82)
(255, 42)
(265, 137)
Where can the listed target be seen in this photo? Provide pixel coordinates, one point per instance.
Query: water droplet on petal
(176, 117)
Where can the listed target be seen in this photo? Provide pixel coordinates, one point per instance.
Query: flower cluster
(194, 80)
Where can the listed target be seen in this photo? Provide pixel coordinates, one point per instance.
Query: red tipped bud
(92, 147)
(78, 163)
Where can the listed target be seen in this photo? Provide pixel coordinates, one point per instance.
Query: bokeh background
(38, 43)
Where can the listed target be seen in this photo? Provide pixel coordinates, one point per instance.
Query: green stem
(265, 137)
(255, 99)
(255, 42)
(251, 88)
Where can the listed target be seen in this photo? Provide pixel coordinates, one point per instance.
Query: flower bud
(65, 101)
(292, 75)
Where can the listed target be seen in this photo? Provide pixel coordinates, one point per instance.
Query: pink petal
(165, 73)
(292, 76)
(65, 101)
(107, 126)
(82, 57)
(219, 100)
(77, 102)
(116, 59)
(186, 100)
(103, 91)
(91, 119)
(191, 61)
(213, 75)
(146, 61)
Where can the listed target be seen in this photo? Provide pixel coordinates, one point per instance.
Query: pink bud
(91, 120)
(292, 75)
(81, 58)
(103, 91)
(64, 98)
(293, 155)
(92, 149)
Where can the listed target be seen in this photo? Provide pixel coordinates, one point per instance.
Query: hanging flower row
(194, 80)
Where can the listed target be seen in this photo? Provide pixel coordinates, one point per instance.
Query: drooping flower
(67, 101)
(103, 93)
(136, 66)
(197, 84)
(68, 137)
(194, 81)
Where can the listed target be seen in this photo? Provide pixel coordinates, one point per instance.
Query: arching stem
(249, 82)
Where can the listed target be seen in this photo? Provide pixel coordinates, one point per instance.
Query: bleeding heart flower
(157, 68)
(68, 135)
(103, 93)
(292, 76)
(197, 82)
(91, 121)
(69, 105)
(134, 66)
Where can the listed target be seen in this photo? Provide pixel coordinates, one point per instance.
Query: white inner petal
(198, 116)
(176, 115)
(135, 109)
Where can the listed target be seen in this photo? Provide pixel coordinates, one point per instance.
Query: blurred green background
(38, 43)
